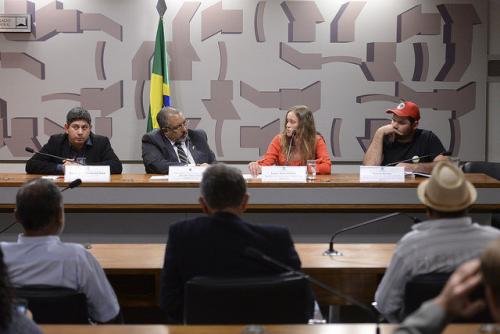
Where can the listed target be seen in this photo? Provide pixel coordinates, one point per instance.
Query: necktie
(182, 155)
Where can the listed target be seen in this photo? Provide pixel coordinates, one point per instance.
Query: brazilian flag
(159, 91)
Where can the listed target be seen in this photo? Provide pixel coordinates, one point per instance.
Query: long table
(134, 270)
(328, 193)
(239, 329)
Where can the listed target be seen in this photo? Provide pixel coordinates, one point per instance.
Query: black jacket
(99, 153)
(214, 246)
(158, 154)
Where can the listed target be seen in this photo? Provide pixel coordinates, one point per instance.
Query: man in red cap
(402, 140)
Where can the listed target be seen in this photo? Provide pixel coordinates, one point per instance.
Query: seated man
(402, 140)
(454, 300)
(173, 144)
(440, 244)
(40, 258)
(77, 144)
(214, 245)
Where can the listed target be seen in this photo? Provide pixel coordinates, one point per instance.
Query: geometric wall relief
(303, 17)
(3, 121)
(140, 73)
(216, 20)
(342, 28)
(23, 61)
(371, 126)
(24, 131)
(259, 137)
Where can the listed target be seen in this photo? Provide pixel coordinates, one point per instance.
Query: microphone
(445, 153)
(71, 185)
(262, 257)
(30, 150)
(290, 147)
(332, 252)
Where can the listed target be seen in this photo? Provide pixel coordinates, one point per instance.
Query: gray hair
(77, 114)
(223, 187)
(162, 116)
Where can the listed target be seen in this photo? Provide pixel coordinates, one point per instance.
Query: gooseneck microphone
(71, 185)
(445, 153)
(290, 147)
(30, 150)
(260, 256)
(332, 252)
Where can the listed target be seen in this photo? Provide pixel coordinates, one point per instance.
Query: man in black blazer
(214, 245)
(173, 144)
(78, 143)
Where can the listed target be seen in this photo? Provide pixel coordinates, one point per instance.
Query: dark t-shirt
(424, 143)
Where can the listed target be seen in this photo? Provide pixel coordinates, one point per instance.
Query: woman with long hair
(12, 319)
(297, 143)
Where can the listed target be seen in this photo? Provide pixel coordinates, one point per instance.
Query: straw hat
(446, 190)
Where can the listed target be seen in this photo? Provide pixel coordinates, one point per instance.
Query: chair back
(285, 298)
(54, 305)
(489, 168)
(424, 287)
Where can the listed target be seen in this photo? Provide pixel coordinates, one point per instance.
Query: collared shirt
(433, 246)
(48, 261)
(184, 147)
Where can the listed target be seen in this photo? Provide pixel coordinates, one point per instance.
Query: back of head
(38, 204)
(447, 191)
(490, 267)
(77, 114)
(223, 187)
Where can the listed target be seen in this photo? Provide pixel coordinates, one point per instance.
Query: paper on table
(159, 177)
(51, 177)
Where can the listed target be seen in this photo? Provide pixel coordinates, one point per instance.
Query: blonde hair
(306, 132)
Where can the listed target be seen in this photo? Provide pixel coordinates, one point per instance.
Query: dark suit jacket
(214, 246)
(158, 154)
(99, 153)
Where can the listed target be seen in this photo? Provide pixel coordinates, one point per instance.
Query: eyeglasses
(184, 124)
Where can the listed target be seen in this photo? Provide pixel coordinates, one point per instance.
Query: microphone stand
(290, 148)
(445, 153)
(332, 252)
(255, 253)
(30, 150)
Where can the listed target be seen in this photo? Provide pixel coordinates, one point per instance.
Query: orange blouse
(274, 156)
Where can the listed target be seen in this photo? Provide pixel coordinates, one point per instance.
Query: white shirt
(185, 148)
(433, 246)
(48, 261)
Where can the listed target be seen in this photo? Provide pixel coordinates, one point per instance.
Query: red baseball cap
(406, 109)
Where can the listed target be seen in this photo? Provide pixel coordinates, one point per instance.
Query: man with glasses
(174, 144)
(402, 140)
(78, 144)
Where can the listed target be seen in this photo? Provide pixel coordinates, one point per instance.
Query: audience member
(13, 319)
(454, 300)
(40, 258)
(440, 244)
(214, 244)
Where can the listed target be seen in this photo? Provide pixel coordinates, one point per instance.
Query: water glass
(311, 169)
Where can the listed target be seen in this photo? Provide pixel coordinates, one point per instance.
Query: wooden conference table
(134, 270)
(239, 329)
(329, 193)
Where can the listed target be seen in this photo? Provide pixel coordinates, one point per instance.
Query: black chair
(491, 169)
(425, 287)
(54, 305)
(282, 298)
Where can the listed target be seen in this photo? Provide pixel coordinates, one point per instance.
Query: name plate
(381, 174)
(15, 23)
(284, 174)
(87, 173)
(185, 173)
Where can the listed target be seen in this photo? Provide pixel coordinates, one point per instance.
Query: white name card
(185, 173)
(381, 174)
(284, 174)
(87, 173)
